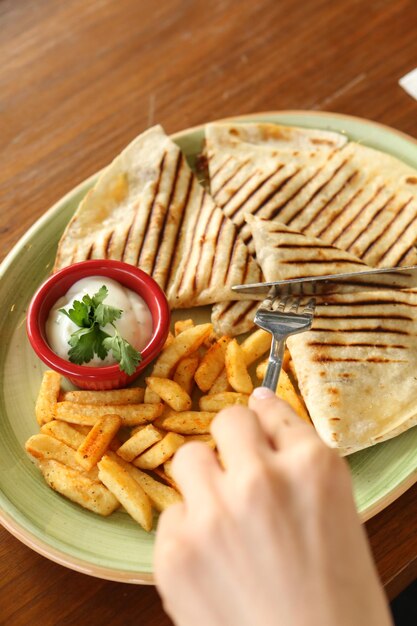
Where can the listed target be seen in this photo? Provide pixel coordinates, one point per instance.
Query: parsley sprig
(91, 315)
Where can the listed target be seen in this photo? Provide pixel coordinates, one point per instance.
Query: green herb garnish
(91, 315)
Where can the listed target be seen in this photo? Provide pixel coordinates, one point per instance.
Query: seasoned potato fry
(161, 496)
(237, 373)
(261, 369)
(217, 402)
(210, 339)
(160, 452)
(167, 479)
(187, 422)
(220, 385)
(170, 338)
(127, 490)
(256, 345)
(97, 441)
(88, 414)
(84, 430)
(133, 395)
(187, 342)
(64, 432)
(170, 392)
(151, 397)
(78, 487)
(45, 447)
(139, 442)
(47, 397)
(182, 325)
(211, 364)
(286, 361)
(184, 373)
(286, 391)
(207, 439)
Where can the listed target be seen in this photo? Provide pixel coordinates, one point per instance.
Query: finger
(196, 471)
(281, 424)
(238, 435)
(170, 522)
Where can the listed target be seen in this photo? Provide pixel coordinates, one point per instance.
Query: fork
(281, 318)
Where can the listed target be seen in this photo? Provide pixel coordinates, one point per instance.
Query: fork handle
(275, 363)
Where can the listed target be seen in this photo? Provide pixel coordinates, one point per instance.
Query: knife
(369, 280)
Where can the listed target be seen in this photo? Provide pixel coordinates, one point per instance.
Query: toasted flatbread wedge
(355, 367)
(286, 253)
(351, 196)
(148, 209)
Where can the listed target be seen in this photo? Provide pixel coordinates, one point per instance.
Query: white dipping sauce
(135, 324)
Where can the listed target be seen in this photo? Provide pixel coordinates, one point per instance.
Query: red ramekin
(57, 285)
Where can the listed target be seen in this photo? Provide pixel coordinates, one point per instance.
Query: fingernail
(263, 393)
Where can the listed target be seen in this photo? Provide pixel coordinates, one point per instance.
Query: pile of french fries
(111, 449)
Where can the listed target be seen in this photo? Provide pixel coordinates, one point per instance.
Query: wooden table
(79, 79)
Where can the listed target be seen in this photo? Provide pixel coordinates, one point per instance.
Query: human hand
(272, 538)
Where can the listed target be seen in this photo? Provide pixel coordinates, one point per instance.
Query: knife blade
(369, 280)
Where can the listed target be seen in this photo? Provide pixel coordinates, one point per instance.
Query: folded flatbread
(148, 209)
(356, 366)
(351, 196)
(316, 182)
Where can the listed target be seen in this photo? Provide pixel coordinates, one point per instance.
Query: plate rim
(117, 574)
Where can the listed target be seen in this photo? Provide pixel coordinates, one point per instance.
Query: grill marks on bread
(148, 209)
(341, 199)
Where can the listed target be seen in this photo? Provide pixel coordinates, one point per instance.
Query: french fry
(211, 364)
(127, 491)
(169, 481)
(207, 439)
(187, 422)
(210, 339)
(187, 342)
(159, 452)
(48, 448)
(168, 341)
(286, 361)
(84, 430)
(261, 369)
(170, 392)
(256, 345)
(139, 442)
(168, 469)
(237, 373)
(44, 448)
(151, 397)
(160, 495)
(287, 392)
(220, 385)
(182, 325)
(217, 402)
(133, 395)
(88, 414)
(78, 487)
(64, 432)
(97, 441)
(184, 373)
(47, 397)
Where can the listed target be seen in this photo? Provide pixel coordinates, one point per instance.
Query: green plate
(116, 548)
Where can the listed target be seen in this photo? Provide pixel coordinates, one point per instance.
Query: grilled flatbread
(353, 197)
(282, 253)
(356, 368)
(148, 209)
(286, 253)
(361, 346)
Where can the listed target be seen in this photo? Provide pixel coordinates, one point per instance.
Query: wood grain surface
(79, 79)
